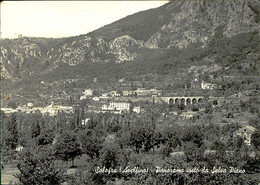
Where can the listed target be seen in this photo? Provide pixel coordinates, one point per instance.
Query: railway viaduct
(183, 99)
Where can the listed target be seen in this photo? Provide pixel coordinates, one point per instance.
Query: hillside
(158, 41)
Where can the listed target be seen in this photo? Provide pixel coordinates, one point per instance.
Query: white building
(19, 148)
(30, 104)
(128, 93)
(210, 86)
(142, 92)
(96, 98)
(107, 107)
(137, 110)
(9, 110)
(114, 94)
(121, 80)
(104, 95)
(88, 92)
(118, 106)
(156, 92)
(54, 109)
(83, 97)
(85, 121)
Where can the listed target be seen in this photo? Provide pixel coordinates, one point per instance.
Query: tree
(142, 136)
(12, 104)
(208, 109)
(181, 106)
(91, 143)
(11, 135)
(67, 146)
(35, 130)
(193, 134)
(46, 137)
(255, 139)
(111, 156)
(215, 102)
(37, 166)
(255, 122)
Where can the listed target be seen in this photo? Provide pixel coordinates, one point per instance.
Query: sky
(64, 18)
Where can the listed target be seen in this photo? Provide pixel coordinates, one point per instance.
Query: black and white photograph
(132, 92)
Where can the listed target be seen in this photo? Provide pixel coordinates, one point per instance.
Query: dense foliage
(37, 166)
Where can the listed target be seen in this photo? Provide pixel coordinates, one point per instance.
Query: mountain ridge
(192, 28)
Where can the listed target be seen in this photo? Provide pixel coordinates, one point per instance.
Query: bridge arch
(188, 101)
(194, 101)
(183, 101)
(171, 101)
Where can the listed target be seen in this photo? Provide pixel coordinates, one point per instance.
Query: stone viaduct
(183, 99)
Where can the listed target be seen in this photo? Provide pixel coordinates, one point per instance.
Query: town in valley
(168, 95)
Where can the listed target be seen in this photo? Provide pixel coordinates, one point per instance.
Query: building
(188, 114)
(88, 92)
(104, 95)
(195, 83)
(156, 92)
(53, 109)
(115, 94)
(85, 121)
(30, 104)
(177, 154)
(9, 110)
(121, 80)
(210, 86)
(126, 84)
(137, 110)
(107, 107)
(19, 148)
(117, 106)
(128, 93)
(96, 98)
(83, 97)
(246, 133)
(120, 106)
(142, 92)
(210, 152)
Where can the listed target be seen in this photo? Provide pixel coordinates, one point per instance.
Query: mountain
(158, 41)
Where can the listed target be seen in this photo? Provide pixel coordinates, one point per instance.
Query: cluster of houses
(198, 84)
(126, 93)
(142, 92)
(51, 109)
